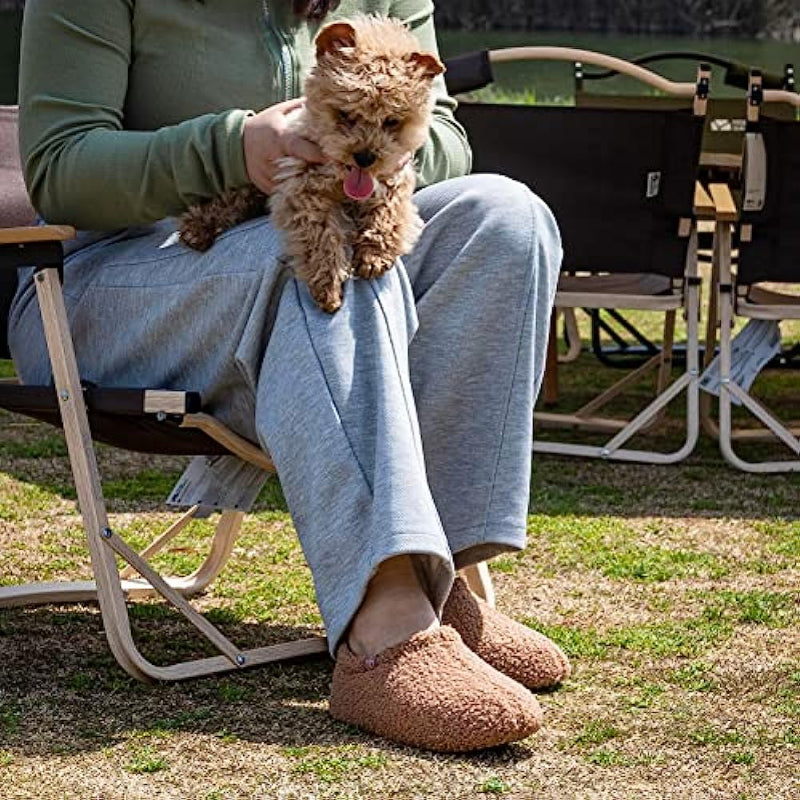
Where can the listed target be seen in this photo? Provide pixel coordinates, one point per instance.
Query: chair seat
(117, 418)
(644, 291)
(762, 302)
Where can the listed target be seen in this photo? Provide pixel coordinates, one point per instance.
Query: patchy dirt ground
(674, 590)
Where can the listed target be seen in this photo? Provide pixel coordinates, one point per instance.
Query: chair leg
(230, 522)
(85, 472)
(480, 581)
(550, 388)
(228, 528)
(103, 543)
(574, 344)
(707, 420)
(614, 449)
(161, 541)
(729, 389)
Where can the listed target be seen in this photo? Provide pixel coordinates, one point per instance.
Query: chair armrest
(704, 207)
(33, 400)
(724, 204)
(35, 245)
(36, 233)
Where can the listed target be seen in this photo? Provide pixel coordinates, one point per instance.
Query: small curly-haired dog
(368, 105)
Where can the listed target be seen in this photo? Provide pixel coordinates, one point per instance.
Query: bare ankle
(394, 609)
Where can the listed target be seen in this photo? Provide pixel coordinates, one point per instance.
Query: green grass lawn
(673, 589)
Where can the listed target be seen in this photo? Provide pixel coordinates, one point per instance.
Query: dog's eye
(391, 124)
(345, 119)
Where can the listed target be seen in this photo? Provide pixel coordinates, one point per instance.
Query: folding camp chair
(139, 419)
(621, 183)
(769, 252)
(720, 161)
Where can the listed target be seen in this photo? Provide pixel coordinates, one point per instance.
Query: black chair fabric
(116, 418)
(774, 252)
(595, 169)
(468, 72)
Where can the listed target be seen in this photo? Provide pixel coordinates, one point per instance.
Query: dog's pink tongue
(358, 184)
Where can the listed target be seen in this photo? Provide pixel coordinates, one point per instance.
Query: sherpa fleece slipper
(525, 655)
(432, 692)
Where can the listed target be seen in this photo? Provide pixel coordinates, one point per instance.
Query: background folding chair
(139, 419)
(769, 252)
(720, 161)
(730, 137)
(621, 183)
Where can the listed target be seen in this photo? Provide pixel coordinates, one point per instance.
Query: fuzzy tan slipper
(434, 693)
(529, 657)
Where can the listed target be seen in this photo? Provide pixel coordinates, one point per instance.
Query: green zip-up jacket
(132, 110)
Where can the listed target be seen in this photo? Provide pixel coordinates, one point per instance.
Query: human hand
(403, 161)
(267, 138)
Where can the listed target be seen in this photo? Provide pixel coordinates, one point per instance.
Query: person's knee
(518, 222)
(386, 300)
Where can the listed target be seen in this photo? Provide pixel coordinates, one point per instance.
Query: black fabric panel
(591, 167)
(774, 252)
(468, 72)
(142, 434)
(125, 402)
(116, 418)
(13, 256)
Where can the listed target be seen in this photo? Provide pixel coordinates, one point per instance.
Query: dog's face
(368, 98)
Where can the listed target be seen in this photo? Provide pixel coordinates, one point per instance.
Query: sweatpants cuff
(471, 545)
(433, 563)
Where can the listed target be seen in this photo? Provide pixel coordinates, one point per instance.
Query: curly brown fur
(368, 104)
(202, 223)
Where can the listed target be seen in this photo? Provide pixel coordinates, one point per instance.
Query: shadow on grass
(703, 485)
(62, 691)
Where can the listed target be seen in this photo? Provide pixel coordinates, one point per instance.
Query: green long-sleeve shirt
(132, 110)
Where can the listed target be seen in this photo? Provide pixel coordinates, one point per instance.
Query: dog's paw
(328, 298)
(372, 263)
(197, 237)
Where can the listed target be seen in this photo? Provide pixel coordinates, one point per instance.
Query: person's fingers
(294, 145)
(262, 183)
(287, 106)
(262, 178)
(403, 161)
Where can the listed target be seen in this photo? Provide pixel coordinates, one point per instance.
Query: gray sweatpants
(400, 424)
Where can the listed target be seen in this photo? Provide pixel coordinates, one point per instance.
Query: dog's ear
(430, 65)
(334, 37)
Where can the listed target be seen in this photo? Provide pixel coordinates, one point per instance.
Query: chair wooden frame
(112, 588)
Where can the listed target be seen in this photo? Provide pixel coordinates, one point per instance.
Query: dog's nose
(364, 158)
